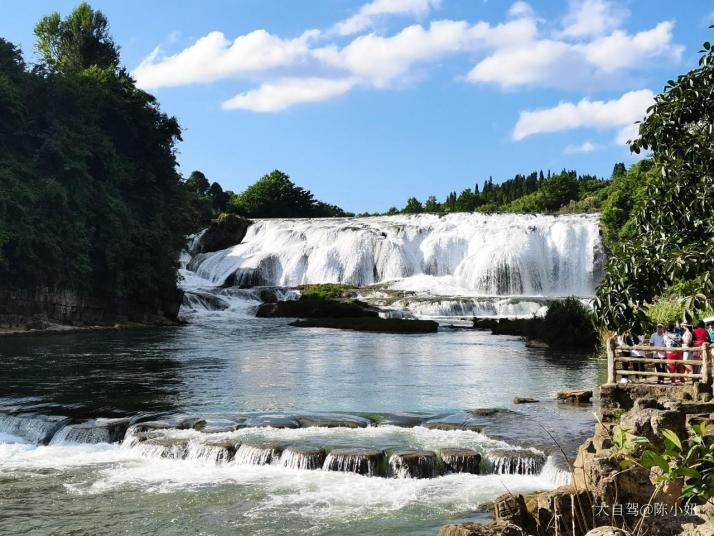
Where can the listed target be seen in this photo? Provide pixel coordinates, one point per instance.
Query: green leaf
(672, 437)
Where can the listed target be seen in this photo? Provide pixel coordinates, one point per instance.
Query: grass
(326, 291)
(382, 325)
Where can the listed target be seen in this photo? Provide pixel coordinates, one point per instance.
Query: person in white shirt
(657, 339)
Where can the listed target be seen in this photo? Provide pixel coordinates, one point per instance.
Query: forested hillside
(90, 198)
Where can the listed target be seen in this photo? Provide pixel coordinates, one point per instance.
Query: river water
(233, 424)
(227, 365)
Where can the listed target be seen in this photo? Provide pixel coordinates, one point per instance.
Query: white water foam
(489, 255)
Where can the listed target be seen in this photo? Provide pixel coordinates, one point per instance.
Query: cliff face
(38, 308)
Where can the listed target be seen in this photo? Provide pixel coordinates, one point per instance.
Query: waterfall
(363, 461)
(37, 429)
(468, 253)
(516, 462)
(413, 464)
(257, 455)
(302, 458)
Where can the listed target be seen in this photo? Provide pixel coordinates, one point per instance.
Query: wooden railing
(704, 353)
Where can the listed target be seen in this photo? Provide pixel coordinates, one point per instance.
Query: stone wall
(37, 308)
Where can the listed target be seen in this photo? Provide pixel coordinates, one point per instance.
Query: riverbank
(610, 486)
(53, 329)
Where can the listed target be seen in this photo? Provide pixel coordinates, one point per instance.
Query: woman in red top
(700, 336)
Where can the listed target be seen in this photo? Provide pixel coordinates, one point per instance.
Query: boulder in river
(275, 421)
(575, 396)
(315, 308)
(524, 400)
(457, 460)
(332, 420)
(413, 464)
(309, 458)
(363, 461)
(225, 231)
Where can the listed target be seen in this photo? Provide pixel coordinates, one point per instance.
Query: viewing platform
(648, 382)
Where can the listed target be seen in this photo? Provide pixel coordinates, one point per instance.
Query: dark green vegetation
(327, 291)
(567, 324)
(384, 325)
(666, 245)
(90, 199)
(561, 192)
(315, 308)
(225, 231)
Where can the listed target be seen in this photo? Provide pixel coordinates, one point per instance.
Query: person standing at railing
(673, 340)
(700, 337)
(688, 342)
(657, 339)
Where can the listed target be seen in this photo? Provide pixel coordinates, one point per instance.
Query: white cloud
(214, 57)
(520, 9)
(585, 147)
(277, 96)
(617, 113)
(561, 64)
(587, 18)
(368, 13)
(522, 51)
(621, 50)
(381, 60)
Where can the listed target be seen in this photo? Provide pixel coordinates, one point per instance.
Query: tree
(413, 206)
(76, 43)
(275, 196)
(673, 230)
(431, 205)
(197, 183)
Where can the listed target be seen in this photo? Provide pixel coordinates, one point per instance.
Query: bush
(569, 323)
(326, 291)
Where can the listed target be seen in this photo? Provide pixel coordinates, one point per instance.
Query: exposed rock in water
(258, 454)
(451, 422)
(516, 462)
(333, 421)
(413, 464)
(380, 325)
(401, 419)
(37, 429)
(315, 308)
(525, 400)
(275, 421)
(461, 461)
(95, 431)
(225, 231)
(309, 458)
(362, 461)
(575, 396)
(536, 343)
(477, 529)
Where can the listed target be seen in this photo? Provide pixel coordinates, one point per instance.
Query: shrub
(569, 323)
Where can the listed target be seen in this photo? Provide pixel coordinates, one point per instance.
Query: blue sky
(368, 103)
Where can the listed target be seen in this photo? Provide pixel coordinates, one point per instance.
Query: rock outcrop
(225, 231)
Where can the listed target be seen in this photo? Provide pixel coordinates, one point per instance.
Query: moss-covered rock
(225, 231)
(315, 308)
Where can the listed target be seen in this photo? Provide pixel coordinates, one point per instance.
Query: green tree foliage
(78, 42)
(413, 206)
(672, 232)
(275, 196)
(89, 194)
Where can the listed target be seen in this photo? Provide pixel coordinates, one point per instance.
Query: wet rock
(165, 447)
(458, 421)
(333, 421)
(515, 462)
(362, 461)
(484, 412)
(225, 231)
(477, 529)
(262, 454)
(536, 343)
(524, 400)
(461, 461)
(575, 396)
(191, 423)
(401, 419)
(413, 464)
(214, 426)
(268, 296)
(94, 431)
(511, 508)
(608, 531)
(315, 308)
(38, 429)
(649, 422)
(275, 421)
(309, 458)
(150, 426)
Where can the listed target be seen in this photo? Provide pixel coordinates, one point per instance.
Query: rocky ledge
(604, 499)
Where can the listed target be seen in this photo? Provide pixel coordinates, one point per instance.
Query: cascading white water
(455, 254)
